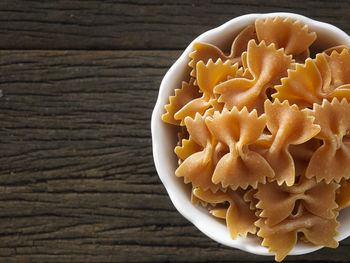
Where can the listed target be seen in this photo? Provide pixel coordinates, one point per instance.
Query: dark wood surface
(79, 80)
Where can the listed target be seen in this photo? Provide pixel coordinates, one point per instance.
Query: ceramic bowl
(164, 136)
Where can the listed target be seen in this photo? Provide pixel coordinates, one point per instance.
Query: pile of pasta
(264, 134)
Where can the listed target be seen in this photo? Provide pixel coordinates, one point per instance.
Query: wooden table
(79, 80)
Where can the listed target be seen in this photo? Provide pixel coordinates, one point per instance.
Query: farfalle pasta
(264, 134)
(240, 167)
(204, 51)
(208, 76)
(239, 217)
(281, 119)
(293, 36)
(198, 166)
(317, 198)
(281, 238)
(251, 92)
(333, 118)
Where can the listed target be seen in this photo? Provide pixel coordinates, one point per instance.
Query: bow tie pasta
(264, 134)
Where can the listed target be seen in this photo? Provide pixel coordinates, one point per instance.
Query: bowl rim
(158, 110)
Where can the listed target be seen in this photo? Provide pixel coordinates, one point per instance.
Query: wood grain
(77, 181)
(138, 24)
(78, 81)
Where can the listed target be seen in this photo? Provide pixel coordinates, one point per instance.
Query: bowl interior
(164, 135)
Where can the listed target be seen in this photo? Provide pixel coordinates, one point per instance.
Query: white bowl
(164, 135)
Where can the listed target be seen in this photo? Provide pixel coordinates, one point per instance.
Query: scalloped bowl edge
(163, 142)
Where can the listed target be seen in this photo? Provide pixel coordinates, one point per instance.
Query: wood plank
(77, 181)
(137, 24)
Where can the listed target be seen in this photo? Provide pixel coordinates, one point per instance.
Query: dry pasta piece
(187, 148)
(243, 72)
(182, 135)
(267, 66)
(343, 194)
(291, 35)
(198, 167)
(339, 64)
(325, 72)
(244, 58)
(281, 238)
(334, 83)
(196, 201)
(278, 202)
(288, 125)
(331, 161)
(240, 167)
(182, 96)
(203, 51)
(249, 198)
(341, 92)
(302, 87)
(239, 218)
(240, 43)
(208, 76)
(214, 209)
(337, 49)
(219, 212)
(323, 77)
